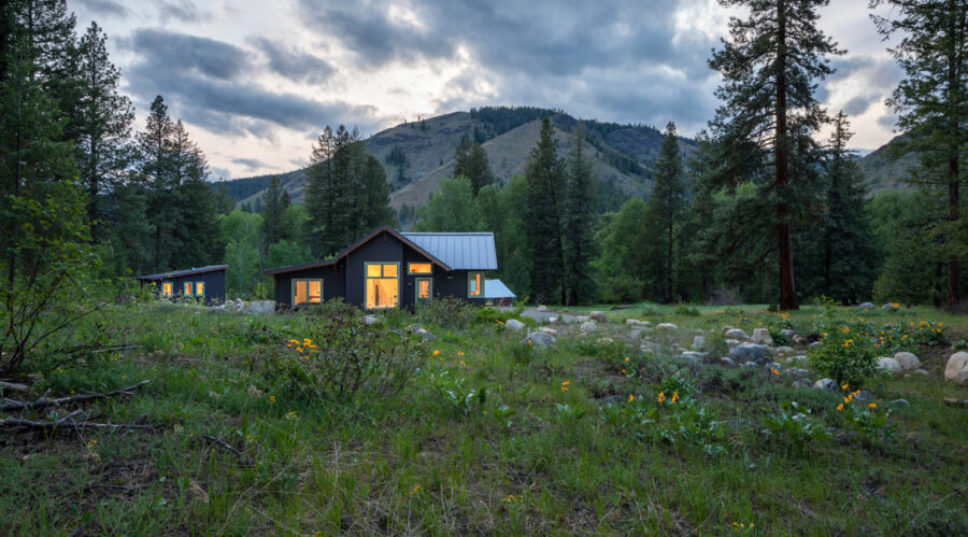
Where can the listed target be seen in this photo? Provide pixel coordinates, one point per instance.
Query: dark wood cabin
(389, 269)
(205, 285)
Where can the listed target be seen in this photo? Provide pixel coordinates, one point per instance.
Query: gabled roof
(349, 249)
(180, 273)
(462, 251)
(497, 289)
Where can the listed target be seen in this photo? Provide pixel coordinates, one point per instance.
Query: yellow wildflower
(872, 405)
(272, 398)
(675, 396)
(631, 398)
(774, 371)
(845, 386)
(661, 397)
(626, 359)
(840, 407)
(436, 352)
(415, 490)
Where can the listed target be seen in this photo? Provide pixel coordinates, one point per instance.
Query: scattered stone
(908, 361)
(761, 336)
(424, 333)
(888, 365)
(667, 327)
(726, 360)
(514, 324)
(637, 322)
(542, 308)
(698, 343)
(759, 354)
(864, 395)
(814, 345)
(826, 384)
(732, 343)
(549, 330)
(588, 326)
(635, 333)
(956, 370)
(258, 307)
(784, 352)
(751, 364)
(889, 306)
(693, 354)
(370, 319)
(598, 316)
(539, 339)
(552, 319)
(605, 341)
(900, 402)
(786, 332)
(737, 333)
(866, 306)
(922, 372)
(726, 328)
(800, 359)
(796, 372)
(651, 347)
(774, 365)
(803, 383)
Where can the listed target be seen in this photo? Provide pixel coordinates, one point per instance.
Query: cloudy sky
(256, 80)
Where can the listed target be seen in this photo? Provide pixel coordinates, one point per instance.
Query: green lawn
(489, 436)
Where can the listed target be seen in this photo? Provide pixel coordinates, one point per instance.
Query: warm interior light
(420, 268)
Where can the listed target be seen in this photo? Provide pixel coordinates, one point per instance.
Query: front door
(425, 289)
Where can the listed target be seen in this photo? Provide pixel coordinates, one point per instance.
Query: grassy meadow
(475, 433)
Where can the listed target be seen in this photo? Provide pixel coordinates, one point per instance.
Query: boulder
(588, 326)
(889, 306)
(761, 336)
(783, 352)
(726, 360)
(786, 332)
(751, 352)
(908, 361)
(637, 322)
(667, 327)
(635, 333)
(694, 357)
(814, 345)
(826, 384)
(514, 324)
(803, 383)
(259, 307)
(549, 330)
(888, 365)
(539, 339)
(424, 333)
(698, 343)
(370, 319)
(866, 306)
(956, 370)
(900, 402)
(737, 333)
(726, 328)
(800, 359)
(542, 308)
(796, 372)
(598, 316)
(732, 343)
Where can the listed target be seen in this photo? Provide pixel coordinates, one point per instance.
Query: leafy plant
(448, 312)
(847, 355)
(454, 396)
(794, 425)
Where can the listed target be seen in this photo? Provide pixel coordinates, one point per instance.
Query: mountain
(417, 155)
(889, 165)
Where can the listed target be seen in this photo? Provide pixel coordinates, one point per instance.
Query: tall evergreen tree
(544, 175)
(578, 223)
(273, 214)
(933, 101)
(770, 68)
(662, 215)
(470, 161)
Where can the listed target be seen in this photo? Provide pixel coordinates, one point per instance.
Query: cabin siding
(333, 282)
(381, 249)
(214, 285)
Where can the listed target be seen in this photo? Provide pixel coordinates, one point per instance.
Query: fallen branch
(217, 440)
(9, 404)
(13, 386)
(67, 422)
(955, 402)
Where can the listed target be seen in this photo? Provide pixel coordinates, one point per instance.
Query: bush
(683, 309)
(343, 357)
(448, 312)
(846, 353)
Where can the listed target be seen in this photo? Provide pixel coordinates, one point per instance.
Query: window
(307, 292)
(167, 290)
(187, 289)
(475, 284)
(424, 289)
(200, 289)
(419, 268)
(382, 286)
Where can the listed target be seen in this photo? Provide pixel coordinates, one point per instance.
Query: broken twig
(10, 404)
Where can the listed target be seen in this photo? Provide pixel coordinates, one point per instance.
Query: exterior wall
(214, 285)
(384, 247)
(454, 284)
(333, 276)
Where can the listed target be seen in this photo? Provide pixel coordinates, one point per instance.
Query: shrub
(683, 309)
(448, 312)
(454, 396)
(793, 425)
(343, 357)
(846, 353)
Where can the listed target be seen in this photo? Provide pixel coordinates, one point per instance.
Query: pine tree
(273, 214)
(662, 215)
(770, 68)
(578, 223)
(544, 175)
(470, 161)
(933, 101)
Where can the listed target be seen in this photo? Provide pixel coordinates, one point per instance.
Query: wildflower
(564, 385)
(91, 443)
(845, 386)
(626, 359)
(661, 397)
(436, 352)
(462, 362)
(872, 405)
(631, 398)
(623, 371)
(299, 349)
(840, 407)
(460, 354)
(272, 398)
(675, 396)
(774, 371)
(415, 490)
(291, 415)
(307, 342)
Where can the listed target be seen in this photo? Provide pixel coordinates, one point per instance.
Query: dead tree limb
(217, 440)
(9, 404)
(69, 423)
(14, 387)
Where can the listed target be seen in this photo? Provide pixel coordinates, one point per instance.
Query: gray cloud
(251, 163)
(180, 10)
(183, 52)
(296, 66)
(861, 103)
(108, 8)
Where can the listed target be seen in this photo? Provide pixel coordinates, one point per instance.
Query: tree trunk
(788, 293)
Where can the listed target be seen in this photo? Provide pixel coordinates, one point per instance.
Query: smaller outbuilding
(498, 294)
(205, 285)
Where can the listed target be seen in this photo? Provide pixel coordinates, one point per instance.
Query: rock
(737, 333)
(800, 359)
(539, 339)
(259, 307)
(956, 370)
(866, 306)
(864, 395)
(908, 361)
(761, 336)
(694, 357)
(588, 326)
(424, 333)
(826, 384)
(598, 316)
(549, 330)
(635, 333)
(514, 324)
(786, 332)
(796, 372)
(637, 322)
(888, 364)
(698, 343)
(542, 308)
(667, 327)
(774, 365)
(814, 345)
(889, 306)
(783, 352)
(581, 318)
(803, 383)
(732, 343)
(751, 352)
(726, 360)
(551, 319)
(751, 363)
(651, 347)
(605, 341)
(726, 328)
(900, 402)
(370, 319)
(922, 372)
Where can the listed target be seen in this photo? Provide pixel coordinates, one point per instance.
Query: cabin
(205, 285)
(389, 269)
(498, 294)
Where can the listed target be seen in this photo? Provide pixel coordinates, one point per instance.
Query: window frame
(470, 280)
(416, 289)
(170, 289)
(196, 287)
(430, 269)
(292, 291)
(191, 289)
(367, 278)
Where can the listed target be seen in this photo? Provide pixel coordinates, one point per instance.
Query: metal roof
(179, 273)
(461, 251)
(497, 289)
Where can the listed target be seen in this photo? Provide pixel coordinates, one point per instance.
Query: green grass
(529, 458)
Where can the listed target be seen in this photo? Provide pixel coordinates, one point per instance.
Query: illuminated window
(200, 289)
(307, 292)
(167, 289)
(424, 288)
(475, 284)
(382, 286)
(187, 290)
(419, 268)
